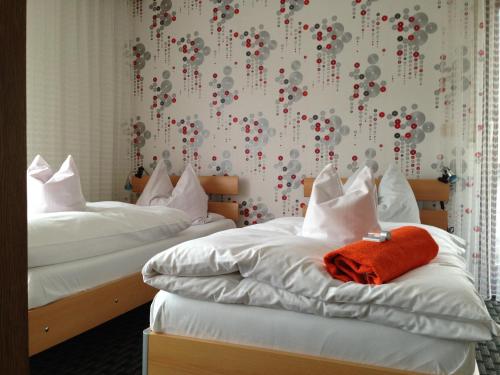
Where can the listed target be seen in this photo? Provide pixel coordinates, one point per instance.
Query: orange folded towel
(368, 262)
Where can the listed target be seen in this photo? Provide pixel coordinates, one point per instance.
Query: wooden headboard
(223, 185)
(424, 190)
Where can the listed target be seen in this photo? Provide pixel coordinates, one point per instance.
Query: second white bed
(345, 339)
(49, 283)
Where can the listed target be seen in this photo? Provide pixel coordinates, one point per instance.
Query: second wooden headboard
(424, 190)
(223, 185)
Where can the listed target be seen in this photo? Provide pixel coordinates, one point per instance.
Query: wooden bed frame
(70, 316)
(180, 355)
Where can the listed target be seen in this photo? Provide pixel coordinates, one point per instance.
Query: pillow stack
(341, 214)
(188, 195)
(54, 192)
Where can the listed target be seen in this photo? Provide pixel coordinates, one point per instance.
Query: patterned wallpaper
(272, 90)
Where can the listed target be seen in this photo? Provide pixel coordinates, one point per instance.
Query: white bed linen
(103, 228)
(344, 339)
(268, 265)
(50, 283)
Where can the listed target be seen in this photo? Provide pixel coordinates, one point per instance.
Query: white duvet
(269, 265)
(102, 228)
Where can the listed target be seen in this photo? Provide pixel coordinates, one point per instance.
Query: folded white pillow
(188, 196)
(53, 192)
(341, 215)
(159, 185)
(397, 202)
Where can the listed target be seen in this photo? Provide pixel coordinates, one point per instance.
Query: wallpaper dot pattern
(273, 90)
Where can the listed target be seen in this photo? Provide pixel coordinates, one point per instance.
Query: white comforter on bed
(270, 265)
(102, 228)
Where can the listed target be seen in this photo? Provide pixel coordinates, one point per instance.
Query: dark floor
(113, 348)
(116, 348)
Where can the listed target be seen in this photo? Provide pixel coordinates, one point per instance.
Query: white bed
(273, 293)
(50, 283)
(345, 339)
(83, 268)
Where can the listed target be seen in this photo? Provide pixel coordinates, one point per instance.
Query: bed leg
(145, 347)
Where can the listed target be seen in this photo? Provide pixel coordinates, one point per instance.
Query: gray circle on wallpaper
(140, 127)
(418, 117)
(421, 18)
(346, 38)
(372, 164)
(344, 130)
(166, 4)
(295, 65)
(294, 153)
(418, 135)
(465, 83)
(199, 43)
(166, 74)
(428, 127)
(264, 53)
(373, 72)
(338, 28)
(227, 83)
(335, 138)
(420, 37)
(373, 58)
(337, 46)
(227, 70)
(226, 154)
(296, 78)
(370, 153)
(374, 91)
(226, 165)
(431, 28)
(140, 63)
(336, 120)
(141, 141)
(265, 36)
(166, 86)
(465, 65)
(198, 60)
(140, 48)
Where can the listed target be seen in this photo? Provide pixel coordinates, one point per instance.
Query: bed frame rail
(179, 355)
(58, 321)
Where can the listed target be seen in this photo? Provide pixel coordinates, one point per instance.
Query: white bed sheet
(50, 283)
(345, 339)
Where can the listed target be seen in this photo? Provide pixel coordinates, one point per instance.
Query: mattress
(49, 283)
(345, 339)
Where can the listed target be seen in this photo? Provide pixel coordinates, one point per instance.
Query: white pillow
(103, 228)
(341, 216)
(353, 178)
(188, 196)
(397, 202)
(53, 192)
(159, 185)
